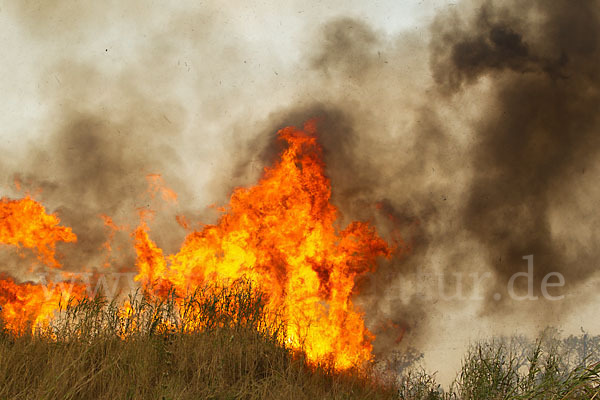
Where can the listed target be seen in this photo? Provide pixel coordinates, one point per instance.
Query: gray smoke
(538, 137)
(485, 161)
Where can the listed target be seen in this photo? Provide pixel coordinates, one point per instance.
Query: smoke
(117, 109)
(538, 137)
(480, 143)
(475, 138)
(92, 166)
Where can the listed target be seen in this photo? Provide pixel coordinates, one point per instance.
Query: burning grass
(217, 343)
(221, 342)
(188, 335)
(282, 233)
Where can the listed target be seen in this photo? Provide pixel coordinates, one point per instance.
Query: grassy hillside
(229, 348)
(95, 351)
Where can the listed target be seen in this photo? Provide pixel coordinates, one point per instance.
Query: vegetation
(219, 343)
(154, 350)
(517, 369)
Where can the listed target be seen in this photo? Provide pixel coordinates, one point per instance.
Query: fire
(282, 234)
(156, 185)
(29, 305)
(112, 229)
(25, 223)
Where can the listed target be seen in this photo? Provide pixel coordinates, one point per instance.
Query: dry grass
(514, 369)
(237, 354)
(220, 343)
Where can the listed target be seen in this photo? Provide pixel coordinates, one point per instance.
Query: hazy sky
(110, 37)
(198, 54)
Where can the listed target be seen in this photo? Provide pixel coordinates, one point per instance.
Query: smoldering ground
(475, 137)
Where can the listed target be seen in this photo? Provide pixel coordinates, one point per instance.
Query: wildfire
(25, 223)
(27, 306)
(281, 234)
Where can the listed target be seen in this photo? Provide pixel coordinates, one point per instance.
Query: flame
(25, 223)
(112, 229)
(282, 234)
(28, 305)
(157, 185)
(31, 306)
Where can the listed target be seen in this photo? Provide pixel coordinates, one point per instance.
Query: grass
(516, 369)
(220, 343)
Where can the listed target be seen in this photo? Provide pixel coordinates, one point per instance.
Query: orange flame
(282, 234)
(157, 185)
(112, 229)
(25, 223)
(29, 305)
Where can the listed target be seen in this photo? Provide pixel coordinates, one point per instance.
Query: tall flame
(282, 234)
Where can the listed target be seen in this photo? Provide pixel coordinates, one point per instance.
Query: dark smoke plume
(484, 164)
(539, 134)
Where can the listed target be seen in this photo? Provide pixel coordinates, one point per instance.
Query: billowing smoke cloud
(92, 166)
(116, 109)
(537, 139)
(484, 152)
